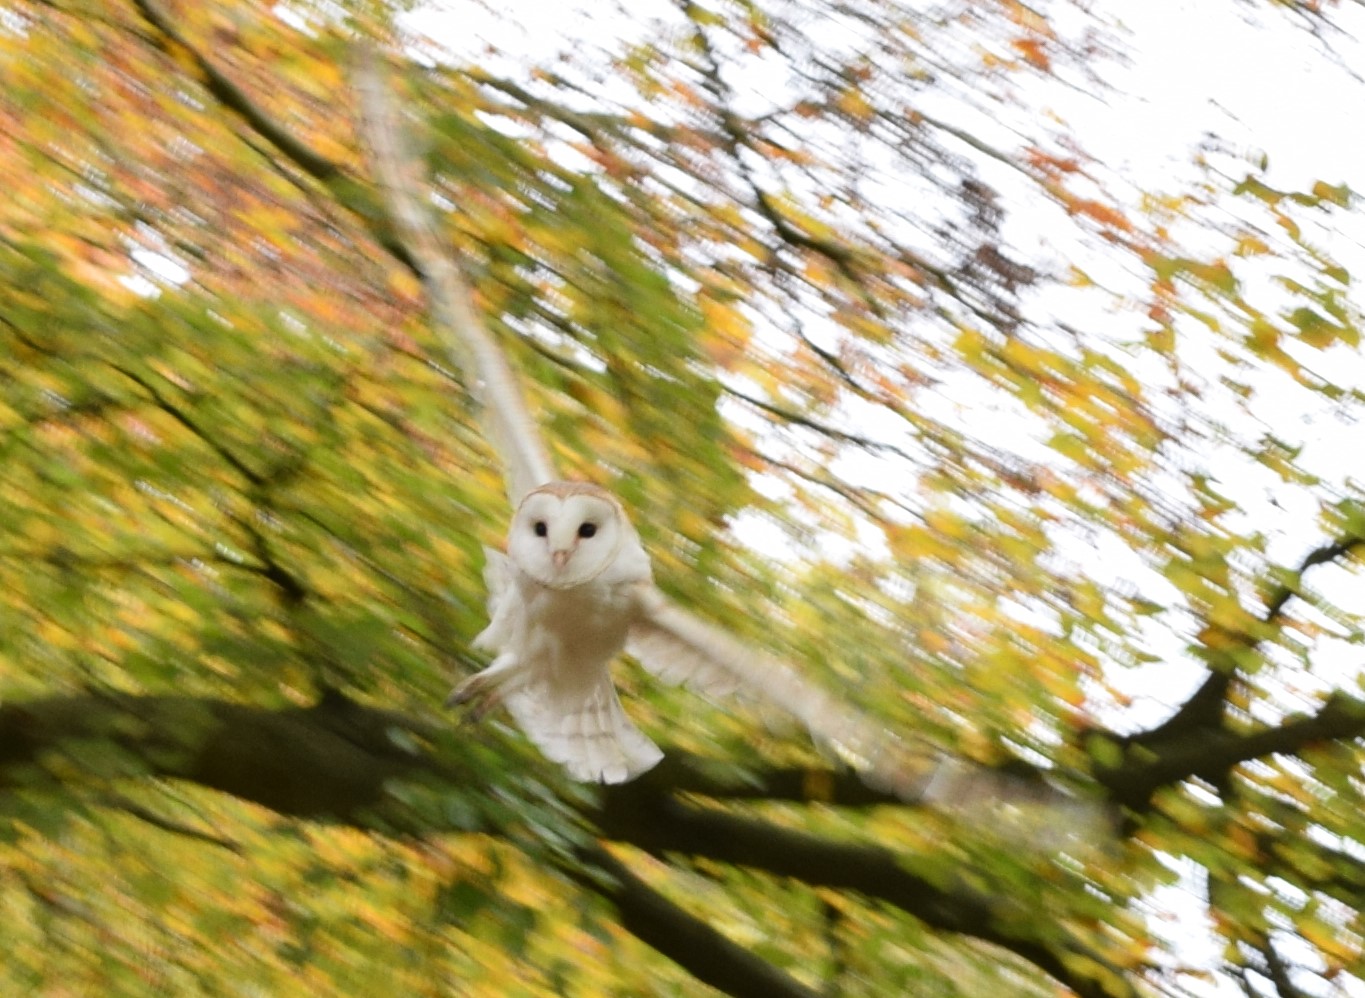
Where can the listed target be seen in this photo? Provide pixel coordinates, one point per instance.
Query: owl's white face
(567, 533)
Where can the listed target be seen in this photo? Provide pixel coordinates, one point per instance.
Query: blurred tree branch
(1204, 708)
(707, 954)
(664, 824)
(1194, 742)
(352, 195)
(235, 99)
(1212, 753)
(336, 762)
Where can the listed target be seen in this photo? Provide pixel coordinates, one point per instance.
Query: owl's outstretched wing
(507, 420)
(679, 647)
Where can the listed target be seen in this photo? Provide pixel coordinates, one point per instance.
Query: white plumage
(573, 590)
(562, 601)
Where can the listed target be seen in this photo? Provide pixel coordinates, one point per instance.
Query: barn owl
(573, 590)
(561, 602)
(574, 587)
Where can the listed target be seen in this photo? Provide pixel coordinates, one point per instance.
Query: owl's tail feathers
(585, 731)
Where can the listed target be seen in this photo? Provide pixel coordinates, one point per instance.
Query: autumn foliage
(1029, 470)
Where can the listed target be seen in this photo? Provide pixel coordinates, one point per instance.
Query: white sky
(1238, 69)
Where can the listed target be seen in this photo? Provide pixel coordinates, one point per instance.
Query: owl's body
(572, 592)
(562, 601)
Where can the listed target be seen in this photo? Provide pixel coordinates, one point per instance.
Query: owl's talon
(485, 705)
(482, 697)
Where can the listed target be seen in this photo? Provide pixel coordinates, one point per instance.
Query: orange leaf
(1032, 51)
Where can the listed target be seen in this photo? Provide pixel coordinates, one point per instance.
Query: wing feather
(497, 577)
(507, 421)
(681, 648)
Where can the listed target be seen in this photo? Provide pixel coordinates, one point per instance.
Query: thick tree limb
(331, 762)
(701, 950)
(681, 772)
(684, 773)
(663, 824)
(1204, 708)
(1193, 741)
(1211, 754)
(328, 762)
(335, 762)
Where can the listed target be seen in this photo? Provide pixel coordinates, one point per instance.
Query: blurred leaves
(789, 318)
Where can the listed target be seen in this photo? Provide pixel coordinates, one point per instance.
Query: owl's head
(567, 533)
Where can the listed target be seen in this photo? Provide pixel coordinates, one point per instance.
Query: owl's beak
(559, 558)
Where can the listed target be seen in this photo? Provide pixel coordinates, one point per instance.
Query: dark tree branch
(1211, 754)
(1015, 781)
(797, 419)
(234, 98)
(336, 761)
(861, 499)
(85, 13)
(328, 762)
(348, 192)
(1230, 894)
(838, 948)
(846, 259)
(702, 951)
(737, 140)
(292, 589)
(1333, 872)
(593, 126)
(150, 817)
(681, 772)
(663, 824)
(96, 404)
(184, 419)
(1278, 970)
(1204, 708)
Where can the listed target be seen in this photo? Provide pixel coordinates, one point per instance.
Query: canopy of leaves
(244, 500)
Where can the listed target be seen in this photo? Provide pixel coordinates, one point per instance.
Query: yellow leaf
(856, 105)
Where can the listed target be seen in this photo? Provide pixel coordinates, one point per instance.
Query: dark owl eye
(587, 529)
(541, 529)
